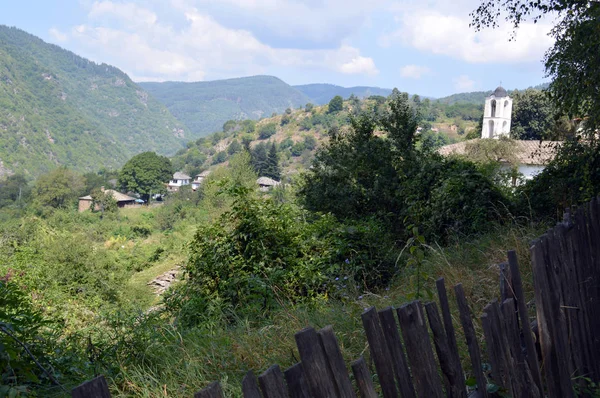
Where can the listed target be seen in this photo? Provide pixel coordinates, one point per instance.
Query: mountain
(321, 94)
(205, 106)
(57, 108)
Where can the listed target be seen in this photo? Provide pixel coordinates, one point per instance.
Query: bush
(267, 131)
(219, 157)
(298, 148)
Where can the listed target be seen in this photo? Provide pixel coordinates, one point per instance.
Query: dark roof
(500, 92)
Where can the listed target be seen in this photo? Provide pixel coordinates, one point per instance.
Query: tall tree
(573, 62)
(535, 118)
(14, 189)
(336, 104)
(273, 170)
(58, 188)
(146, 174)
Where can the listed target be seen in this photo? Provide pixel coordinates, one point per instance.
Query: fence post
(455, 383)
(474, 353)
(336, 362)
(418, 349)
(379, 352)
(296, 382)
(213, 390)
(531, 354)
(95, 388)
(317, 371)
(249, 386)
(392, 337)
(363, 379)
(272, 384)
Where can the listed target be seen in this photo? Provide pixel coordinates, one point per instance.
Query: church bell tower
(496, 114)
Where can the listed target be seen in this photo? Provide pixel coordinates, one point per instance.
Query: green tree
(534, 117)
(336, 104)
(272, 164)
(267, 131)
(258, 158)
(234, 147)
(219, 157)
(146, 174)
(103, 201)
(573, 62)
(14, 189)
(309, 107)
(58, 189)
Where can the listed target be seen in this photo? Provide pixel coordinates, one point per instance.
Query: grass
(178, 363)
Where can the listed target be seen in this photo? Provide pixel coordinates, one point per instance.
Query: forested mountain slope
(321, 94)
(57, 108)
(205, 106)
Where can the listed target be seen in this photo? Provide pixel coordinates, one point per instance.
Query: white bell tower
(496, 114)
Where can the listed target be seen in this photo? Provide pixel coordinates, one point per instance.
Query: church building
(496, 114)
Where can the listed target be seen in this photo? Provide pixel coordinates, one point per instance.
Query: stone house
(199, 178)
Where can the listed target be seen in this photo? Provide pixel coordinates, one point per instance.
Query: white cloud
(359, 65)
(58, 35)
(463, 83)
(414, 71)
(152, 50)
(431, 31)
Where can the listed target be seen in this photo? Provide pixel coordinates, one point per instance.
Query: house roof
(180, 176)
(205, 173)
(119, 197)
(526, 152)
(266, 181)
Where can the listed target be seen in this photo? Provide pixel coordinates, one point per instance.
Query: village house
(199, 178)
(123, 201)
(265, 184)
(179, 179)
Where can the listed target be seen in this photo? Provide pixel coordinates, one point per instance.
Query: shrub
(267, 131)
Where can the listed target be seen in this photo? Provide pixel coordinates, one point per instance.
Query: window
(493, 108)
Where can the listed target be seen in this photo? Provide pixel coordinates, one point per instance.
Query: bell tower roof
(500, 92)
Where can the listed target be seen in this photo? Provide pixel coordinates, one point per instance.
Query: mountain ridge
(57, 108)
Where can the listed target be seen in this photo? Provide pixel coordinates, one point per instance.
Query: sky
(419, 46)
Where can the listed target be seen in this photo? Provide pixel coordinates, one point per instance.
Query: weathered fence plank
(363, 379)
(523, 384)
(272, 383)
(392, 337)
(296, 383)
(497, 346)
(471, 339)
(317, 371)
(95, 388)
(418, 349)
(336, 362)
(455, 383)
(213, 390)
(449, 326)
(250, 386)
(531, 353)
(551, 326)
(379, 352)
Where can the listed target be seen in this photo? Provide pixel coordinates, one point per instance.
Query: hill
(205, 106)
(321, 94)
(57, 108)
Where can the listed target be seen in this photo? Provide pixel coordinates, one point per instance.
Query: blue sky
(423, 47)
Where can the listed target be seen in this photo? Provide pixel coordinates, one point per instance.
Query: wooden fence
(402, 341)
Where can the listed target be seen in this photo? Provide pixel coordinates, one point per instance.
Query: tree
(336, 104)
(14, 190)
(267, 131)
(103, 201)
(573, 62)
(58, 189)
(234, 147)
(146, 174)
(534, 117)
(272, 164)
(309, 107)
(258, 158)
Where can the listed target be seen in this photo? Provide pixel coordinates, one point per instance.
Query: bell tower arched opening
(493, 108)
